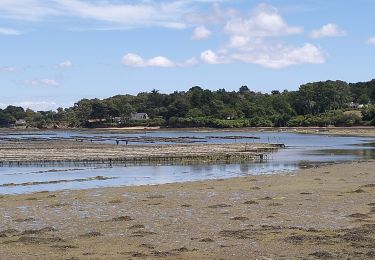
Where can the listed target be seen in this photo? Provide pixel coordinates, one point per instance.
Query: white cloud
(201, 33)
(125, 14)
(371, 41)
(272, 57)
(328, 30)
(7, 69)
(282, 56)
(265, 22)
(211, 57)
(31, 82)
(34, 105)
(215, 15)
(42, 82)
(28, 10)
(134, 60)
(160, 61)
(189, 62)
(9, 31)
(65, 64)
(108, 13)
(49, 82)
(249, 42)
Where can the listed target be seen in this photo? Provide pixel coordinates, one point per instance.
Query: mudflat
(325, 212)
(28, 152)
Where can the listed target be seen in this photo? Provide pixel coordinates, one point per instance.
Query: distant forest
(315, 104)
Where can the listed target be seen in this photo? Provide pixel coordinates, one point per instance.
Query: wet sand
(326, 212)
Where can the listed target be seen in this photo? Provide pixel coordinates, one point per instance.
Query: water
(302, 149)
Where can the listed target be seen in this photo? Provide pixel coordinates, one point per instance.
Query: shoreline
(365, 131)
(325, 212)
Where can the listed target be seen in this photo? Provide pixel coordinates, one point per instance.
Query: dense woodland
(314, 104)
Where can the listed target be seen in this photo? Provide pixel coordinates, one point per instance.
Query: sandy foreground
(324, 212)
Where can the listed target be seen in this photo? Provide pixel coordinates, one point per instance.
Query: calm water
(301, 150)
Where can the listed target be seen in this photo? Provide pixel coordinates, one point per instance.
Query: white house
(139, 116)
(20, 122)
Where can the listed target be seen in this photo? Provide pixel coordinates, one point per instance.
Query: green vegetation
(314, 104)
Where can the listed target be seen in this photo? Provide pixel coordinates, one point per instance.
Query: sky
(56, 52)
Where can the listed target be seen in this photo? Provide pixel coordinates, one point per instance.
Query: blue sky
(55, 52)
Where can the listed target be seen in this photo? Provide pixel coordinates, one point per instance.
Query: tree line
(314, 104)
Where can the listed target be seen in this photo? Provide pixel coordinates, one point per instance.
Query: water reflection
(302, 151)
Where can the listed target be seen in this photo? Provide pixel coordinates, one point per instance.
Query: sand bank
(24, 152)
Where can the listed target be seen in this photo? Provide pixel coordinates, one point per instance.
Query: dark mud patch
(138, 254)
(156, 197)
(38, 231)
(38, 240)
(222, 205)
(91, 234)
(181, 249)
(137, 226)
(31, 199)
(358, 191)
(251, 202)
(301, 239)
(275, 204)
(207, 240)
(163, 254)
(64, 247)
(358, 215)
(266, 198)
(321, 255)
(148, 246)
(100, 178)
(20, 220)
(58, 205)
(361, 237)
(370, 185)
(154, 204)
(117, 201)
(8, 232)
(186, 206)
(240, 218)
(122, 218)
